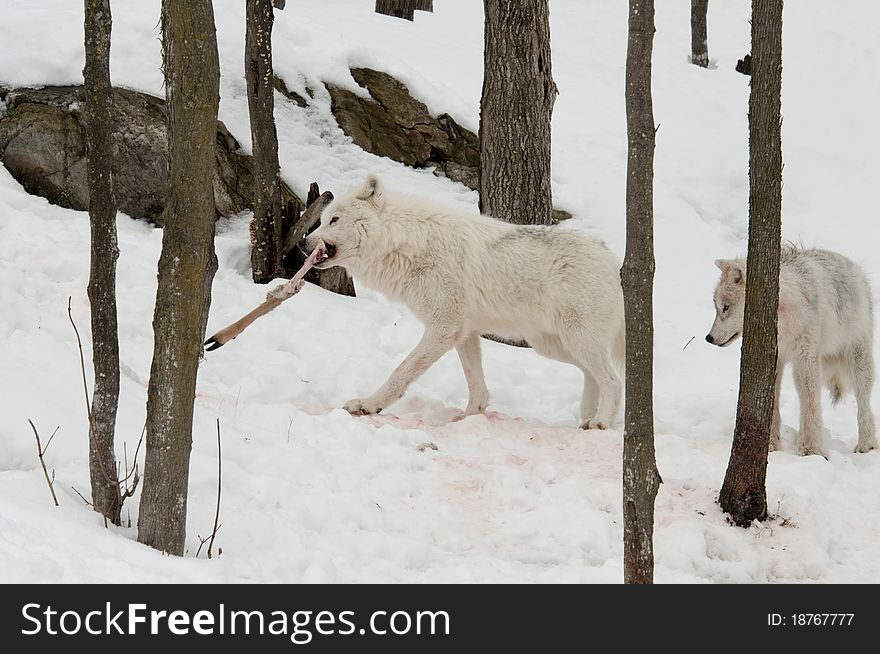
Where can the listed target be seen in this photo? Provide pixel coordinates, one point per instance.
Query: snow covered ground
(313, 494)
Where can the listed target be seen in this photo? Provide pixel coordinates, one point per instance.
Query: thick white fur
(826, 331)
(463, 275)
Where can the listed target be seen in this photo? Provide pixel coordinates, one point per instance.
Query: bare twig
(219, 471)
(73, 488)
(49, 442)
(688, 343)
(92, 440)
(40, 453)
(134, 470)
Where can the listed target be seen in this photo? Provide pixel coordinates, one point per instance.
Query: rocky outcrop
(391, 123)
(42, 144)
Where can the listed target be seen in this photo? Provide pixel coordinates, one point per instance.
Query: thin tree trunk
(744, 493)
(641, 480)
(699, 39)
(396, 8)
(186, 268)
(104, 253)
(266, 248)
(515, 112)
(423, 5)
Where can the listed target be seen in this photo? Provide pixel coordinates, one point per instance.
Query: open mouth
(323, 255)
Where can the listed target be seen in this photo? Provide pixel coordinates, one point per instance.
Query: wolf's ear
(372, 189)
(732, 269)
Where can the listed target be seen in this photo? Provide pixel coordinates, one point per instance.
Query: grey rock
(42, 144)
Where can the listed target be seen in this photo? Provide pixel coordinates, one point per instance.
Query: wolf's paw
(593, 424)
(864, 448)
(361, 407)
(774, 444)
(475, 409)
(810, 450)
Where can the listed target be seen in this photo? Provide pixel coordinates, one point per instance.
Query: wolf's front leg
(806, 378)
(432, 346)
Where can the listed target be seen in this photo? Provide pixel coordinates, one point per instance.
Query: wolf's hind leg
(590, 397)
(472, 364)
(807, 381)
(862, 362)
(593, 355)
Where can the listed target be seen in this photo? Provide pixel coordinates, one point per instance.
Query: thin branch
(40, 452)
(48, 442)
(219, 471)
(92, 440)
(73, 488)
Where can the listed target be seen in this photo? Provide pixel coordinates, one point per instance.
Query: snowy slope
(313, 494)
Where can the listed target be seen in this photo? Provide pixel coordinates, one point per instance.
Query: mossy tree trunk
(103, 473)
(396, 8)
(641, 480)
(266, 246)
(744, 492)
(699, 38)
(515, 112)
(186, 268)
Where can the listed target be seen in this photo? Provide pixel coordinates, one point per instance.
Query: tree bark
(186, 268)
(699, 39)
(267, 246)
(744, 493)
(641, 480)
(515, 112)
(397, 8)
(103, 475)
(424, 5)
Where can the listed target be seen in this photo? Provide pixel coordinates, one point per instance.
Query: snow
(311, 494)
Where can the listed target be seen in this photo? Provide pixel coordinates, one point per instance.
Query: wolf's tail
(836, 378)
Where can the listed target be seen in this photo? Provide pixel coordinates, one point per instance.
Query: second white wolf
(464, 275)
(826, 332)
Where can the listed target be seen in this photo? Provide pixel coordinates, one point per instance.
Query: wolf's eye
(334, 219)
(725, 308)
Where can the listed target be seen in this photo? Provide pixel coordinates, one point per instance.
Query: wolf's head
(730, 301)
(346, 223)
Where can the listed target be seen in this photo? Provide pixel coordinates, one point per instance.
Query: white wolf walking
(826, 331)
(463, 275)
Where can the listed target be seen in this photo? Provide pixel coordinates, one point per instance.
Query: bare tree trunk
(266, 246)
(396, 8)
(641, 480)
(423, 5)
(699, 39)
(186, 268)
(744, 493)
(104, 253)
(515, 112)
